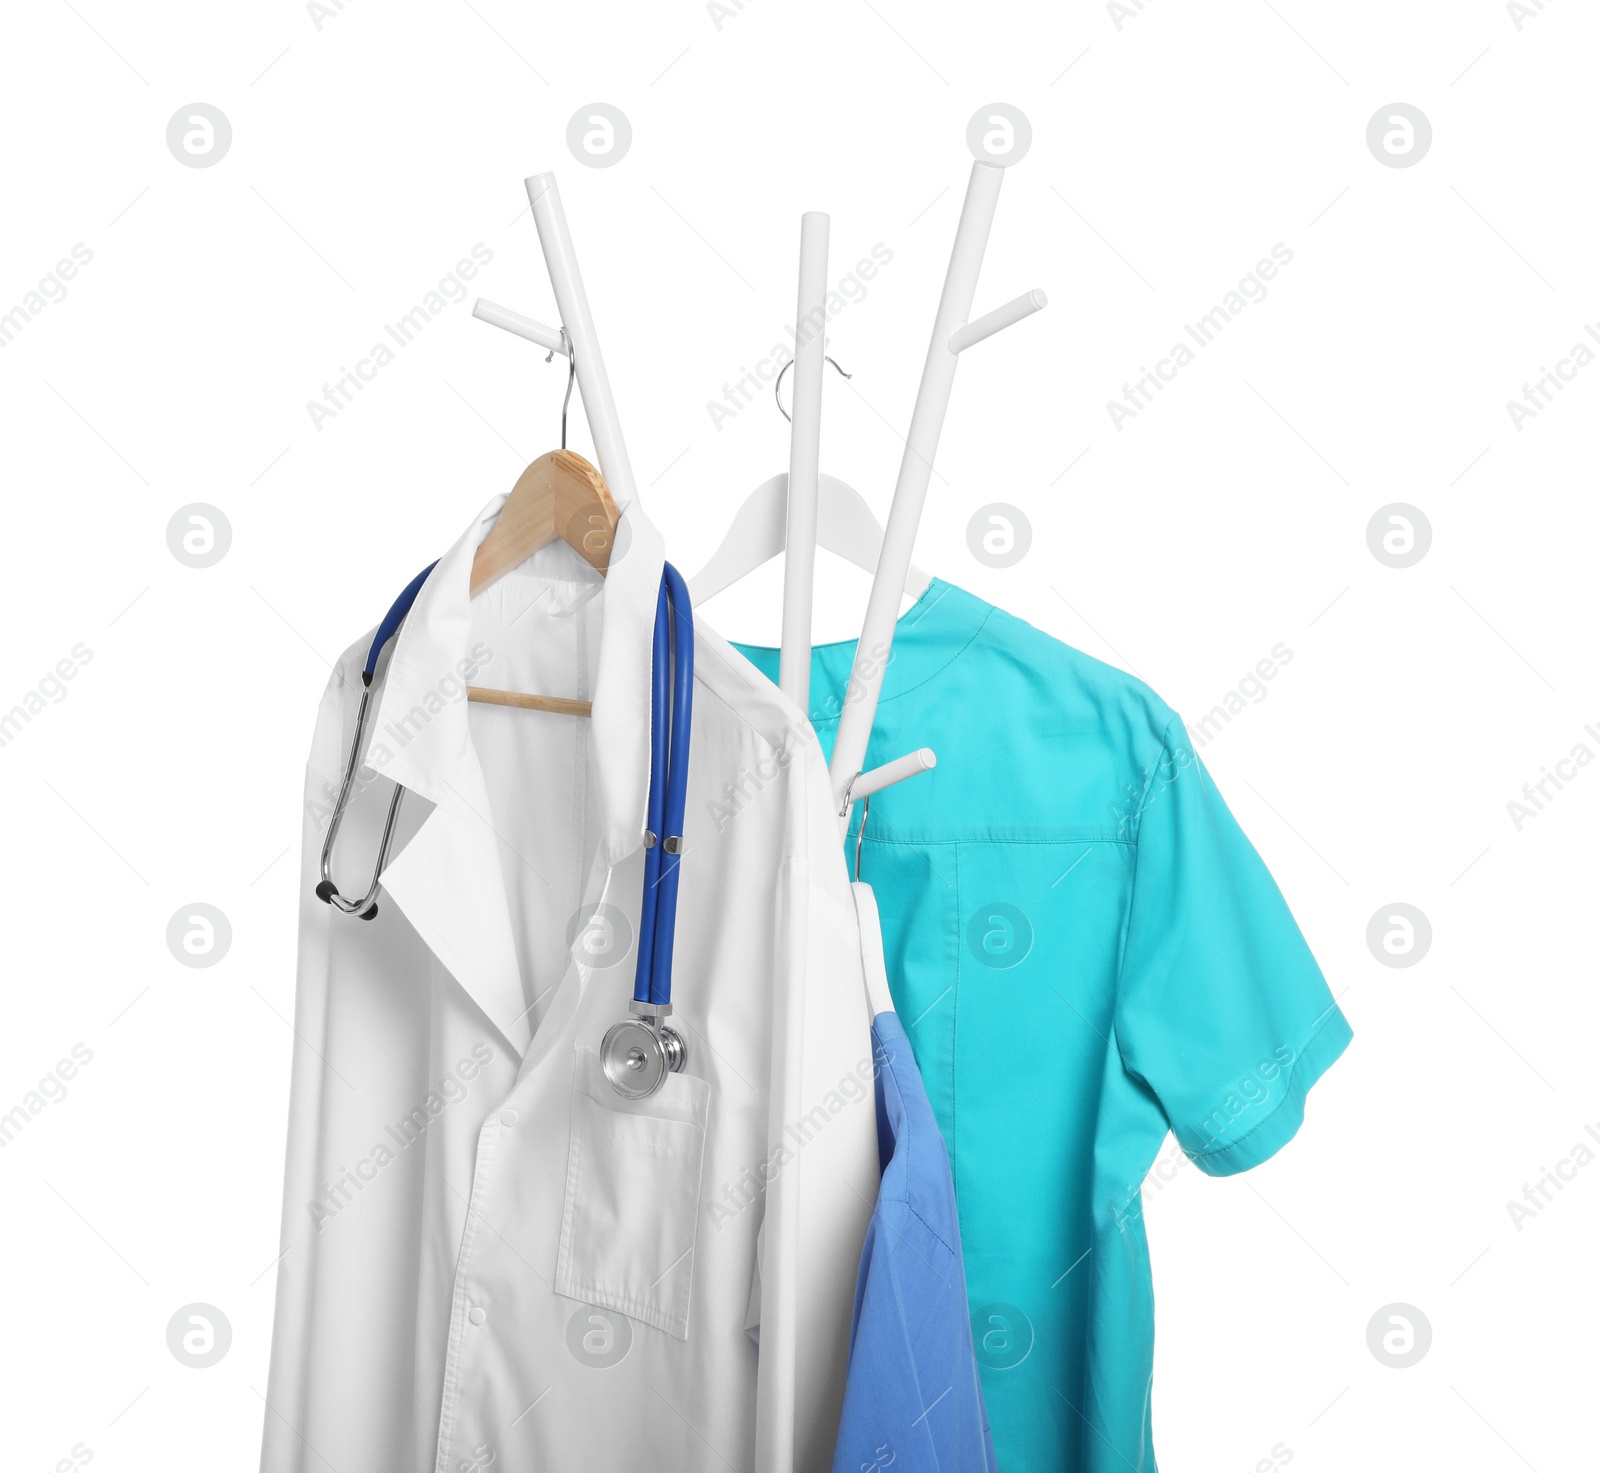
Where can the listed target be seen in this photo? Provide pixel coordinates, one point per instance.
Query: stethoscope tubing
(394, 619)
(671, 712)
(677, 783)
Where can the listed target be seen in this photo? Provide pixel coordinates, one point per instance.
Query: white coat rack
(953, 334)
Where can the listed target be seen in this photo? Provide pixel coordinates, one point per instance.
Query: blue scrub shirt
(1086, 953)
(912, 1396)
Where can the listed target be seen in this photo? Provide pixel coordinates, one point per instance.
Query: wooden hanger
(560, 497)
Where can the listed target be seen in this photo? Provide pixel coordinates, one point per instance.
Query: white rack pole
(911, 488)
(598, 406)
(805, 452)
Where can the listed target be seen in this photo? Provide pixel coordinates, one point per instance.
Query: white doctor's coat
(489, 1258)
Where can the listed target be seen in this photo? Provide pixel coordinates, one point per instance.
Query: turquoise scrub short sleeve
(1221, 1009)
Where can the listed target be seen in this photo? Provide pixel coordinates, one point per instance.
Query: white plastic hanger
(846, 527)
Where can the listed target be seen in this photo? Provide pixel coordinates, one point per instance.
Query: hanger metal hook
(861, 833)
(778, 384)
(866, 808)
(572, 373)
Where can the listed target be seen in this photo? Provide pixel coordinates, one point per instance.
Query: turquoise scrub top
(1087, 953)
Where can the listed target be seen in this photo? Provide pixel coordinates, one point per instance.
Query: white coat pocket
(633, 1197)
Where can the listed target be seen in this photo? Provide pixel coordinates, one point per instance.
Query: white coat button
(508, 1117)
(476, 1315)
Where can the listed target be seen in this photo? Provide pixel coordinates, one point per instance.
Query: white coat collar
(448, 878)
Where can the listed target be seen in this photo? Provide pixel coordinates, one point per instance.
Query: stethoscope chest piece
(638, 1053)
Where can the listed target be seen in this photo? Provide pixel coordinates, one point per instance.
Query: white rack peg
(991, 322)
(868, 783)
(805, 453)
(598, 406)
(523, 327)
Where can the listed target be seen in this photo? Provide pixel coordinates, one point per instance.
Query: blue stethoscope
(638, 1053)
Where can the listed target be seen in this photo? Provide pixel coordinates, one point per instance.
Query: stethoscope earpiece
(327, 890)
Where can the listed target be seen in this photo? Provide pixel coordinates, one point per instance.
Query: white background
(1170, 154)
